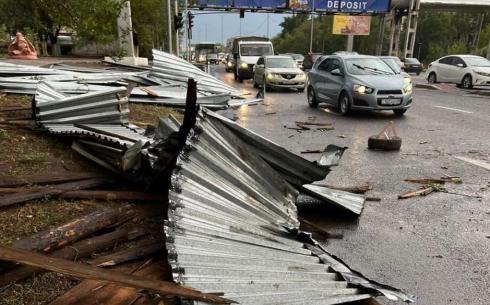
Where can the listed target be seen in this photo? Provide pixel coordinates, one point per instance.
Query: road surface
(436, 247)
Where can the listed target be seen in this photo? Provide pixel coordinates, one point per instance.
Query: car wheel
(418, 73)
(312, 101)
(432, 78)
(235, 75)
(344, 104)
(467, 82)
(399, 112)
(394, 143)
(255, 84)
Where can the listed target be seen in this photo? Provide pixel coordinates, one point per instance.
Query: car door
(456, 72)
(334, 83)
(443, 69)
(322, 79)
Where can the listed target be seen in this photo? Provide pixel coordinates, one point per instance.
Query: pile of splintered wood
(136, 273)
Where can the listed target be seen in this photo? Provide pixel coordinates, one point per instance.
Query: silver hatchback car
(358, 82)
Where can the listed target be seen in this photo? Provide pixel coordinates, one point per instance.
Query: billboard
(328, 6)
(351, 25)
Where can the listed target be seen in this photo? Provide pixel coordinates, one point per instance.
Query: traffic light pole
(169, 21)
(177, 42)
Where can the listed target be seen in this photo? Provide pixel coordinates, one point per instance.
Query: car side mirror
(336, 72)
(460, 65)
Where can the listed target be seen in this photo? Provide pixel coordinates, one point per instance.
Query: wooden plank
(89, 272)
(75, 252)
(9, 181)
(76, 229)
(141, 250)
(95, 292)
(48, 191)
(111, 195)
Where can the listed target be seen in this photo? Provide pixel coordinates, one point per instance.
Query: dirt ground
(25, 152)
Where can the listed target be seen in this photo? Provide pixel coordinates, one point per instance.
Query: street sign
(328, 6)
(351, 25)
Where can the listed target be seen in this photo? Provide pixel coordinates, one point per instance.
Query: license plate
(391, 101)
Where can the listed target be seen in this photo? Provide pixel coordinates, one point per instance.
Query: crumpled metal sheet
(293, 168)
(351, 202)
(109, 106)
(232, 228)
(169, 67)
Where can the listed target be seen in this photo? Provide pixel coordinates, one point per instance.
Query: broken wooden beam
(89, 272)
(76, 229)
(48, 191)
(112, 195)
(422, 192)
(352, 189)
(96, 292)
(75, 252)
(9, 181)
(138, 251)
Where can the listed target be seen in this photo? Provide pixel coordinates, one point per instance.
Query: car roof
(349, 56)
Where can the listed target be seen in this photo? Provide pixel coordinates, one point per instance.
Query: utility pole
(311, 29)
(379, 48)
(169, 21)
(268, 34)
(222, 36)
(177, 42)
(350, 43)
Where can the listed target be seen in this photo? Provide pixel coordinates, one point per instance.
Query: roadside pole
(177, 42)
(169, 21)
(350, 43)
(311, 29)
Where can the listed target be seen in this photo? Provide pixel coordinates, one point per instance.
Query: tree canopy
(439, 33)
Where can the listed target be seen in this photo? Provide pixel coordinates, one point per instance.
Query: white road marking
(453, 109)
(479, 163)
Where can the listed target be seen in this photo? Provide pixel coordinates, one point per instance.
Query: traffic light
(190, 17)
(178, 21)
(242, 13)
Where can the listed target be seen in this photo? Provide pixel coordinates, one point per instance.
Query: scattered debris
(270, 113)
(442, 180)
(421, 192)
(373, 199)
(352, 189)
(341, 136)
(387, 139)
(88, 272)
(423, 142)
(313, 228)
(314, 151)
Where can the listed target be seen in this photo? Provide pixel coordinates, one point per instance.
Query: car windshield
(393, 64)
(297, 57)
(412, 61)
(212, 56)
(366, 66)
(255, 49)
(281, 63)
(477, 61)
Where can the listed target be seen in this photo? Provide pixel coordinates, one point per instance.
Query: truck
(246, 51)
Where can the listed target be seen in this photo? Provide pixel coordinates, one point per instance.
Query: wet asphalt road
(436, 247)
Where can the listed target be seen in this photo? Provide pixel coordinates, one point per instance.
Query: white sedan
(464, 70)
(278, 72)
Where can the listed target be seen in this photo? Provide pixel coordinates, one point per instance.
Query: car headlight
(244, 65)
(408, 88)
(482, 73)
(361, 89)
(302, 76)
(270, 76)
(229, 64)
(407, 80)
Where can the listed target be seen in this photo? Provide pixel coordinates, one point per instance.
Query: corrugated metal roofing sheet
(231, 227)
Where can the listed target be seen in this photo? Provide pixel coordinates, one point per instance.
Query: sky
(219, 26)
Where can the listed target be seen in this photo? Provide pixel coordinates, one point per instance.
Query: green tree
(91, 21)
